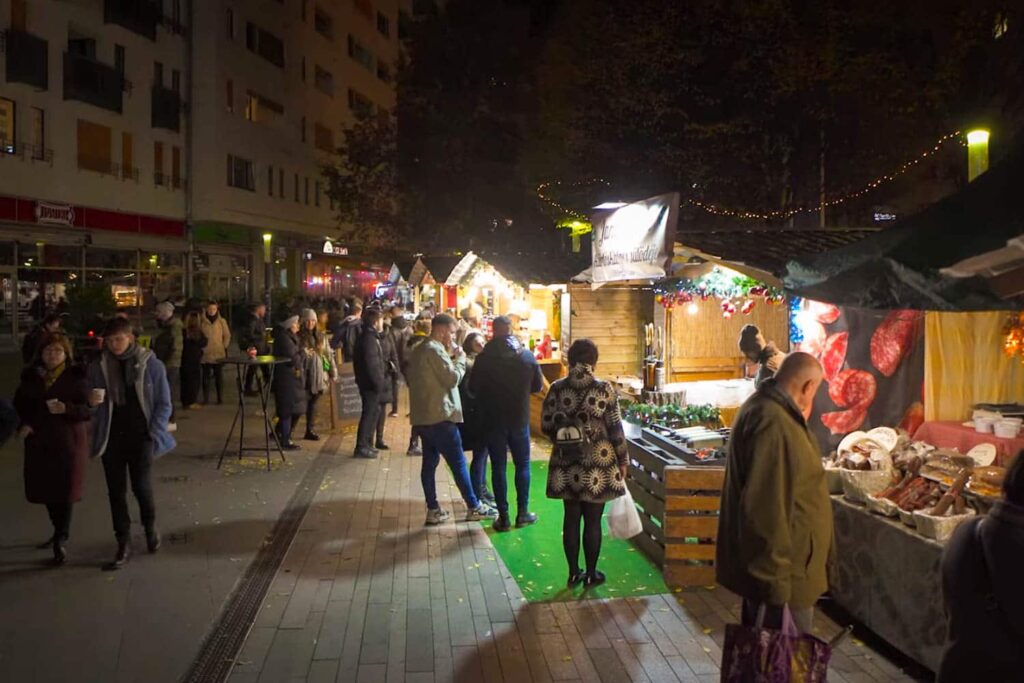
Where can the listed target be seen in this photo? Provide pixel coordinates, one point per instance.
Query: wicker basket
(907, 518)
(859, 485)
(939, 528)
(834, 479)
(882, 506)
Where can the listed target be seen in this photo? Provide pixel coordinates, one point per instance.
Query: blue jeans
(443, 439)
(478, 470)
(499, 442)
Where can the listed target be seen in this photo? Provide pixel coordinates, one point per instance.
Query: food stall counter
(951, 434)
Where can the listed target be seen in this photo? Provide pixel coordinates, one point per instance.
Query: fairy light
(903, 169)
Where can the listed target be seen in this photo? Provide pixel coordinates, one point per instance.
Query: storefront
(331, 272)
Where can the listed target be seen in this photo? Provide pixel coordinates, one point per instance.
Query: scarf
(51, 376)
(212, 318)
(122, 372)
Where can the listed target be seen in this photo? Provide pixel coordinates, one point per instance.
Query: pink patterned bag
(754, 654)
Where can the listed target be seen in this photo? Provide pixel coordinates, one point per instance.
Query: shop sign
(54, 214)
(635, 242)
(334, 249)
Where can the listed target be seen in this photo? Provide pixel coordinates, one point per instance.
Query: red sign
(19, 210)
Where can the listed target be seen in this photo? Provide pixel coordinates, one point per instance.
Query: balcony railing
(138, 16)
(23, 150)
(166, 108)
(96, 83)
(27, 60)
(170, 182)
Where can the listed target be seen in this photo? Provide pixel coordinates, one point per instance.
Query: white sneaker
(483, 511)
(438, 516)
(172, 426)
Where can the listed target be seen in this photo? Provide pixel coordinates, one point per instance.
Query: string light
(764, 215)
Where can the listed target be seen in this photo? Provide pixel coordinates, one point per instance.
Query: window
(280, 183)
(7, 127)
(323, 138)
(322, 23)
(127, 156)
(38, 133)
(176, 81)
(265, 44)
(323, 80)
(316, 194)
(270, 181)
(306, 191)
(240, 173)
(360, 104)
(119, 59)
(158, 164)
(383, 25)
(303, 131)
(383, 72)
(229, 23)
(296, 188)
(176, 167)
(359, 53)
(83, 47)
(230, 92)
(158, 74)
(93, 146)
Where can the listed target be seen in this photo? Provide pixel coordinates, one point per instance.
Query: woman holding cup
(52, 403)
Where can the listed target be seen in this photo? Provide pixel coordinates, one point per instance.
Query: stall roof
(965, 252)
(440, 267)
(538, 268)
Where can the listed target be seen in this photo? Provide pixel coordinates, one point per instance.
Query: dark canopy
(903, 267)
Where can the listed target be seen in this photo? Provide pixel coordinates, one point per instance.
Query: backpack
(571, 443)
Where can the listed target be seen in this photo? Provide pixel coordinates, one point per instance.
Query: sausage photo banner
(874, 368)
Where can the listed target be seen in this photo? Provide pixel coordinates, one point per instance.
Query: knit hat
(308, 314)
(164, 310)
(289, 322)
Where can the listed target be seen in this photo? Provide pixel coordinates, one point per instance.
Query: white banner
(635, 242)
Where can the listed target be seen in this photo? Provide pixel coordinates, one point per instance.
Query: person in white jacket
(218, 337)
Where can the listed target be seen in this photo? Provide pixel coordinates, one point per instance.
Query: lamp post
(268, 271)
(977, 153)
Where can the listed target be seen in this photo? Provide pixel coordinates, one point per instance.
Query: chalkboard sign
(347, 403)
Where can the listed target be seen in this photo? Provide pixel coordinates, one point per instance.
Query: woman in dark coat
(52, 402)
(471, 428)
(289, 380)
(983, 593)
(192, 360)
(585, 485)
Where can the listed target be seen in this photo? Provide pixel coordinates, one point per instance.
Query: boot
(60, 554)
(153, 540)
(124, 551)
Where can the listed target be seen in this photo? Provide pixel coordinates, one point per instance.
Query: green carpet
(535, 558)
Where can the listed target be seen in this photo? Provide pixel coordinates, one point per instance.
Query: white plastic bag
(623, 519)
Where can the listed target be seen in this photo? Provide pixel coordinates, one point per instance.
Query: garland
(735, 293)
(672, 416)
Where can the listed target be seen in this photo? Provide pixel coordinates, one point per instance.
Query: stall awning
(963, 253)
(538, 268)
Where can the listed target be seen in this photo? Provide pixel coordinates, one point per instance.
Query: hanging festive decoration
(718, 284)
(796, 333)
(1013, 343)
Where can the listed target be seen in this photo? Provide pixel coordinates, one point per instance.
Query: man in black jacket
(253, 335)
(372, 380)
(503, 378)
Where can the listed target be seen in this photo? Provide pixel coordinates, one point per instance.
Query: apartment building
(92, 182)
(275, 84)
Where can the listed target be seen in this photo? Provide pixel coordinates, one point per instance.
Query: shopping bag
(623, 519)
(754, 654)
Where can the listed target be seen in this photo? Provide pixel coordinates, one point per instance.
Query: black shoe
(48, 543)
(124, 551)
(525, 519)
(60, 554)
(502, 523)
(594, 578)
(367, 453)
(291, 446)
(311, 436)
(381, 446)
(575, 578)
(153, 541)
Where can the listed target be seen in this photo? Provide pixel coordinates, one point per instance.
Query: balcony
(92, 82)
(27, 59)
(138, 16)
(166, 109)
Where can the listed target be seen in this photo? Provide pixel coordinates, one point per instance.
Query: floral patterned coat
(597, 478)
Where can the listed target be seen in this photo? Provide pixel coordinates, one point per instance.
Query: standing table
(243, 363)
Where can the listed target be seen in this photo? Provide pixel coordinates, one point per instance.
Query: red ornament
(748, 306)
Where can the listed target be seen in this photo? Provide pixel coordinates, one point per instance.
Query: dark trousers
(368, 419)
(60, 516)
(500, 441)
(590, 514)
(213, 372)
(382, 419)
(123, 461)
(174, 382)
(191, 378)
(285, 424)
(311, 402)
(250, 377)
(394, 394)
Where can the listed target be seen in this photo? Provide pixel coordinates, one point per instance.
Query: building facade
(153, 144)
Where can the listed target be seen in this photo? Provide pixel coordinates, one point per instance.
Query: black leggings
(214, 372)
(311, 400)
(590, 513)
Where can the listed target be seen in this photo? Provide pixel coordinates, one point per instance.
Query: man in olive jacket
(775, 529)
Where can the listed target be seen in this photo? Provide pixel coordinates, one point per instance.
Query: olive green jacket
(775, 530)
(433, 379)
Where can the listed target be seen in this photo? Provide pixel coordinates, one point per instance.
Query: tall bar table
(243, 363)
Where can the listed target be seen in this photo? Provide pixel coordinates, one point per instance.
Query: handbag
(623, 518)
(754, 654)
(572, 443)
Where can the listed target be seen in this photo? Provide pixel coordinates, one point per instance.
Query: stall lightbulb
(693, 308)
(977, 137)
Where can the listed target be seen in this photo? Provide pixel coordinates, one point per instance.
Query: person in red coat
(51, 401)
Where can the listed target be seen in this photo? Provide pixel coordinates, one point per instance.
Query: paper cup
(52, 403)
(99, 395)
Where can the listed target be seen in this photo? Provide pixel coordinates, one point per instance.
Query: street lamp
(977, 153)
(268, 271)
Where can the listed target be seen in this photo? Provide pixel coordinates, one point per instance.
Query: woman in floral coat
(600, 475)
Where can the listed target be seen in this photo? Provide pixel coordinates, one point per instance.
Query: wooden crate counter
(678, 507)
